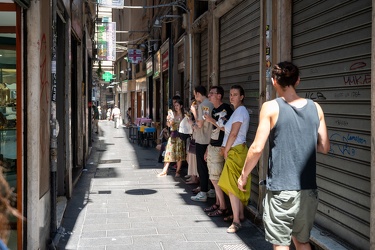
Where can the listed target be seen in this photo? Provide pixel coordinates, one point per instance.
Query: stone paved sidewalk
(119, 203)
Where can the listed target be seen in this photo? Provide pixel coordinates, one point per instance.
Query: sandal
(217, 213)
(234, 228)
(212, 208)
(177, 174)
(162, 174)
(229, 218)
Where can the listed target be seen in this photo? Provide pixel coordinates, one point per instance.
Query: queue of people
(207, 119)
(224, 162)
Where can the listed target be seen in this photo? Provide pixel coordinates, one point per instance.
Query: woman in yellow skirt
(235, 150)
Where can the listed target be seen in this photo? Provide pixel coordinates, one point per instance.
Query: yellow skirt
(232, 171)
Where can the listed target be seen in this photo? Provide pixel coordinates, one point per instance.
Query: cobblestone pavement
(119, 203)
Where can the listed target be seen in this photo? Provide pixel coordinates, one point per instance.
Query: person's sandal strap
(212, 208)
(217, 213)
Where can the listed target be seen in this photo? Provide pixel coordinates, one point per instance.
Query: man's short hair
(201, 89)
(219, 90)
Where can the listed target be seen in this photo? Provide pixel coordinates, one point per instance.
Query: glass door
(8, 110)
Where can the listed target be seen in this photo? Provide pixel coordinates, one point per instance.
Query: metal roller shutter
(332, 47)
(204, 58)
(239, 63)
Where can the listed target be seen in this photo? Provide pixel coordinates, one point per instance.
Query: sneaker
(211, 193)
(201, 196)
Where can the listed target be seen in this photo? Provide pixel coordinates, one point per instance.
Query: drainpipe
(53, 124)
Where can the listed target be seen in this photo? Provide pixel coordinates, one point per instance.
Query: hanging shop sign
(165, 61)
(107, 41)
(156, 65)
(149, 70)
(134, 56)
(111, 3)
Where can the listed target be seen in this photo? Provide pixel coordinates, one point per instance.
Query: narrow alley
(119, 203)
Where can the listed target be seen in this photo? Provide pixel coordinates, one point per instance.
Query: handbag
(192, 146)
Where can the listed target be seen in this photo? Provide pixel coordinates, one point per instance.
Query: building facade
(237, 42)
(45, 69)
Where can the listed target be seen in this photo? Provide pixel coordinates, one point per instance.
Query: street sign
(134, 56)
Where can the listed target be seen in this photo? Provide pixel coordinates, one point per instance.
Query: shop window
(9, 82)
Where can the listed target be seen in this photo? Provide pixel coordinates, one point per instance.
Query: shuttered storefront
(239, 62)
(204, 58)
(332, 47)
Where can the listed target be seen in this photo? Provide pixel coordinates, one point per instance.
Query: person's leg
(236, 207)
(179, 163)
(278, 247)
(165, 169)
(219, 195)
(300, 245)
(308, 201)
(202, 166)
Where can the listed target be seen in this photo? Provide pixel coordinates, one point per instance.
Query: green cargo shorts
(289, 213)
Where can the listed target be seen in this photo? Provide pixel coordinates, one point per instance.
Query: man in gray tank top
(296, 130)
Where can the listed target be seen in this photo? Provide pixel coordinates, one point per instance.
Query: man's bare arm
(323, 144)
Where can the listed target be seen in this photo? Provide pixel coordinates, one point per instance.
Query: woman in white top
(235, 150)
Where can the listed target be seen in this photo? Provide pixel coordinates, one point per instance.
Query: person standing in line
(297, 130)
(129, 116)
(116, 113)
(191, 158)
(175, 149)
(202, 136)
(215, 160)
(234, 152)
(95, 118)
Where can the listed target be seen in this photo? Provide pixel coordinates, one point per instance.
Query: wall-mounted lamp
(157, 23)
(158, 20)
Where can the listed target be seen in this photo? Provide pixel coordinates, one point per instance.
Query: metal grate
(105, 173)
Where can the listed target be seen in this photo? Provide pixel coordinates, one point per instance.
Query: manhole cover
(109, 161)
(140, 191)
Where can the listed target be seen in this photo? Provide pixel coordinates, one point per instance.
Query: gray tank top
(293, 142)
